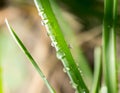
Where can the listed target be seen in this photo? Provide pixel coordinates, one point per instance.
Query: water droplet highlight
(83, 91)
(67, 68)
(42, 22)
(60, 54)
(52, 44)
(64, 70)
(74, 85)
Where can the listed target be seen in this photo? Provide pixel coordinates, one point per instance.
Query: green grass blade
(109, 45)
(71, 39)
(20, 44)
(62, 49)
(97, 71)
(1, 67)
(1, 76)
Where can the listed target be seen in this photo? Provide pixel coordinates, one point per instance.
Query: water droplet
(67, 68)
(42, 22)
(80, 71)
(41, 14)
(46, 21)
(64, 70)
(60, 54)
(74, 85)
(55, 43)
(83, 91)
(52, 44)
(81, 74)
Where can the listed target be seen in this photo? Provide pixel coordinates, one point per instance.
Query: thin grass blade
(23, 48)
(1, 67)
(58, 41)
(1, 76)
(97, 70)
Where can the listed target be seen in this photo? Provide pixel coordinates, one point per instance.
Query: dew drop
(42, 22)
(74, 85)
(60, 54)
(64, 70)
(67, 68)
(55, 43)
(46, 21)
(57, 47)
(80, 71)
(83, 91)
(41, 13)
(52, 44)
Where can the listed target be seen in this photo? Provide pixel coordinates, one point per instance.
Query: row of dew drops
(60, 53)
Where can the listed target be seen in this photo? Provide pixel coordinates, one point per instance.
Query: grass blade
(1, 67)
(71, 39)
(109, 45)
(1, 76)
(62, 50)
(97, 71)
(20, 44)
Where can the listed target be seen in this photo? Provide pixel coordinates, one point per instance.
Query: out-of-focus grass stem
(109, 45)
(97, 70)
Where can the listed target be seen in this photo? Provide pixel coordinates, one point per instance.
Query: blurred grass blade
(1, 75)
(97, 70)
(20, 44)
(1, 67)
(58, 41)
(109, 45)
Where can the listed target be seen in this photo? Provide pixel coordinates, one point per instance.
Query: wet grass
(105, 59)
